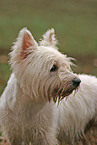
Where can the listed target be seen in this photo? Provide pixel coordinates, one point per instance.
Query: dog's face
(41, 70)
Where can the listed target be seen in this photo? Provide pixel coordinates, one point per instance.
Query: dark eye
(54, 68)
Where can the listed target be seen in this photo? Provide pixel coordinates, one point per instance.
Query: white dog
(34, 107)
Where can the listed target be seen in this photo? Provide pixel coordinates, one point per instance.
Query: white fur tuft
(49, 38)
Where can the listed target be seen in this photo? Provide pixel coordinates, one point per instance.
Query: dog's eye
(54, 68)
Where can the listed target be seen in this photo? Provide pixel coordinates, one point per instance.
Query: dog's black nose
(76, 82)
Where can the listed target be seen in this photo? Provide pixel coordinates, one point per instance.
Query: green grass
(4, 75)
(75, 22)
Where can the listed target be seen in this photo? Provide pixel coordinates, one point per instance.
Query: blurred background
(74, 21)
(75, 24)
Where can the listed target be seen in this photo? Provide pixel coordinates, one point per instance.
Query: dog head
(41, 70)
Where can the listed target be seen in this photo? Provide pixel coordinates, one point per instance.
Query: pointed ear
(49, 38)
(24, 45)
(28, 42)
(22, 48)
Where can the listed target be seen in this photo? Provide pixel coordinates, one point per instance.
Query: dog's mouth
(62, 94)
(65, 91)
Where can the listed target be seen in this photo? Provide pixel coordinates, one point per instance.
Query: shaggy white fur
(34, 107)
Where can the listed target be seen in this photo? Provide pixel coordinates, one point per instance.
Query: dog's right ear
(24, 45)
(27, 41)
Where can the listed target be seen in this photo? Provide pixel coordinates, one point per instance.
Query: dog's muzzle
(68, 88)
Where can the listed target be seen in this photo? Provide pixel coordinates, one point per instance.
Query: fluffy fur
(34, 107)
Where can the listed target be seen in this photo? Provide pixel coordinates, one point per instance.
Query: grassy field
(74, 21)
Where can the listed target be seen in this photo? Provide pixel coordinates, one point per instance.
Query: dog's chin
(64, 93)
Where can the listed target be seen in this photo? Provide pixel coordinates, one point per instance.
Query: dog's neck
(20, 101)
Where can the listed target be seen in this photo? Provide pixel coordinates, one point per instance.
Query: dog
(44, 102)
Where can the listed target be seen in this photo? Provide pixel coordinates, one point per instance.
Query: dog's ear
(28, 42)
(49, 38)
(24, 45)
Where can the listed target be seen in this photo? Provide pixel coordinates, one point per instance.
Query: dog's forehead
(51, 52)
(51, 55)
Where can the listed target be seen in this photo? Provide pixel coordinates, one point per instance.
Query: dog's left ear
(49, 38)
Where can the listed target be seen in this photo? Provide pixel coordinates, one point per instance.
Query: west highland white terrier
(34, 107)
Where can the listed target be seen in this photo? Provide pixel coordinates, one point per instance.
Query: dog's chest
(35, 123)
